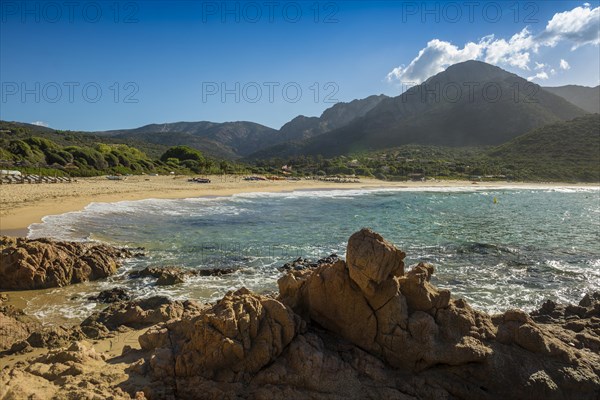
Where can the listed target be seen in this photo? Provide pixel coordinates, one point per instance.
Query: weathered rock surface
(137, 314)
(15, 326)
(401, 318)
(575, 325)
(44, 263)
(228, 342)
(76, 372)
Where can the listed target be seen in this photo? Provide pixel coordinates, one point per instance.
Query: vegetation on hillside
(564, 151)
(50, 152)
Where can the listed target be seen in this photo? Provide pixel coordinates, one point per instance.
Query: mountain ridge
(585, 97)
(425, 114)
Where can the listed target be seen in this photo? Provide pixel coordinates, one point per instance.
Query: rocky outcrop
(76, 372)
(15, 326)
(373, 331)
(358, 329)
(228, 342)
(402, 318)
(44, 263)
(137, 314)
(576, 325)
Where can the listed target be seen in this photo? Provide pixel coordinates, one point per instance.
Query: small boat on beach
(199, 180)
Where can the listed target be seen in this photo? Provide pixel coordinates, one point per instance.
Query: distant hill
(301, 127)
(234, 140)
(584, 97)
(225, 140)
(443, 111)
(566, 150)
(39, 150)
(75, 138)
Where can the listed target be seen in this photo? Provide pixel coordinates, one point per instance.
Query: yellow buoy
(495, 200)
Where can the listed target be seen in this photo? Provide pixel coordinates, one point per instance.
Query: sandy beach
(25, 204)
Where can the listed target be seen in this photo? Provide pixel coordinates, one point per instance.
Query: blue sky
(98, 65)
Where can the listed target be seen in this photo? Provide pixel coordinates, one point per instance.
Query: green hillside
(34, 149)
(560, 152)
(567, 150)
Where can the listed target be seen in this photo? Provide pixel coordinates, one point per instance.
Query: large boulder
(402, 318)
(236, 337)
(15, 326)
(44, 263)
(137, 314)
(372, 260)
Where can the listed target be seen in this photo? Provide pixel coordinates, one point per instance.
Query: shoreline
(23, 205)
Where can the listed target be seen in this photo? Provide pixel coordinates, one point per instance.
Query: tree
(183, 153)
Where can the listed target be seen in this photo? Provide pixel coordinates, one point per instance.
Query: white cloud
(433, 59)
(564, 64)
(578, 26)
(40, 123)
(515, 52)
(540, 75)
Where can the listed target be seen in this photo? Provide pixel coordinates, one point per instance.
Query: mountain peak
(471, 71)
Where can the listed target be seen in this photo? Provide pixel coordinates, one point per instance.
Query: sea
(497, 248)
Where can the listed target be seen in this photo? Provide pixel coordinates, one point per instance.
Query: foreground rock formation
(393, 326)
(44, 263)
(15, 326)
(363, 328)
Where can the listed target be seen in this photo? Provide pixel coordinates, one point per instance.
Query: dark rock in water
(303, 263)
(298, 264)
(214, 271)
(550, 312)
(44, 263)
(166, 279)
(165, 275)
(170, 275)
(111, 296)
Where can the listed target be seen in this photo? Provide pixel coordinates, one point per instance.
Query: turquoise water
(528, 246)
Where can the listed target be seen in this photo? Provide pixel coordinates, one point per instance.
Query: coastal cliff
(366, 327)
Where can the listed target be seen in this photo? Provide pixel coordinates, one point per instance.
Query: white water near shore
(532, 244)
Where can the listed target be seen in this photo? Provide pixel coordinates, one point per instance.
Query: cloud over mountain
(578, 26)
